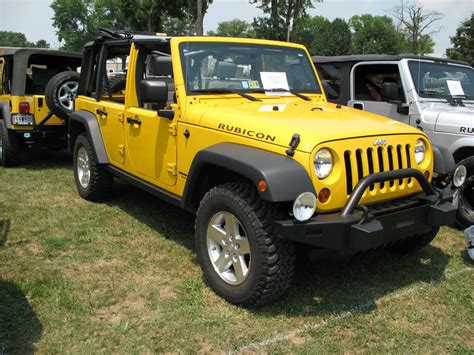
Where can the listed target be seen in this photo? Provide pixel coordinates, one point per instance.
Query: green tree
(18, 39)
(78, 21)
(323, 37)
(233, 28)
(42, 44)
(463, 42)
(283, 17)
(374, 35)
(416, 24)
(183, 25)
(13, 39)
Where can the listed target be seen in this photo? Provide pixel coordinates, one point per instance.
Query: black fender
(444, 162)
(6, 114)
(85, 121)
(286, 178)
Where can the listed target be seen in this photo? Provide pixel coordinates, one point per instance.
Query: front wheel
(93, 182)
(243, 261)
(464, 197)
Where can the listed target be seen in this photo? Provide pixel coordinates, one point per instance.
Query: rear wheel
(415, 243)
(93, 182)
(9, 152)
(243, 261)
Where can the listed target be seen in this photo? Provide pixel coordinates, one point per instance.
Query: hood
(275, 122)
(451, 119)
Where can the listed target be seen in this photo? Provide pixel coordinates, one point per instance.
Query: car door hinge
(173, 129)
(121, 149)
(172, 169)
(120, 117)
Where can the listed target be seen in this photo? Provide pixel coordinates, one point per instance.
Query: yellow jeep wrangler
(239, 132)
(37, 87)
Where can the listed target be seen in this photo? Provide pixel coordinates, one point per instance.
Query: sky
(33, 17)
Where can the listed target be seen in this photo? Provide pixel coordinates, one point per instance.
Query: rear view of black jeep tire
(414, 243)
(60, 93)
(9, 152)
(93, 182)
(243, 261)
(465, 197)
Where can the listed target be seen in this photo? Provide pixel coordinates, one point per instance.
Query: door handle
(101, 112)
(134, 121)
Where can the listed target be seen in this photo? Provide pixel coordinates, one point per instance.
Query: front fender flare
(286, 178)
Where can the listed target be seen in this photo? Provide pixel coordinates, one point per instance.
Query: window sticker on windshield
(254, 84)
(455, 88)
(245, 84)
(272, 81)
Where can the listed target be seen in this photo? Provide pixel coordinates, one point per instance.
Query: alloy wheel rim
(228, 248)
(66, 94)
(83, 167)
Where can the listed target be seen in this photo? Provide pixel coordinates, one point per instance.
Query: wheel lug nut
(237, 246)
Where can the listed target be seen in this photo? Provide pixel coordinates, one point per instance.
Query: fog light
(304, 206)
(459, 176)
(323, 195)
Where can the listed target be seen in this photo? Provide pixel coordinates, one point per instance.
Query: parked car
(233, 131)
(435, 95)
(37, 88)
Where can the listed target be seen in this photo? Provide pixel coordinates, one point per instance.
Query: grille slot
(360, 163)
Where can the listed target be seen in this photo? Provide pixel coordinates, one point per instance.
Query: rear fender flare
(85, 121)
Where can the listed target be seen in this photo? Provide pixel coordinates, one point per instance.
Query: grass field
(121, 276)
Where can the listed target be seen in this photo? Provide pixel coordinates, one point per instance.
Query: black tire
(465, 212)
(100, 182)
(9, 147)
(65, 85)
(414, 243)
(272, 259)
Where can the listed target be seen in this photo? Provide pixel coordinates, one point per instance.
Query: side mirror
(403, 109)
(153, 91)
(391, 91)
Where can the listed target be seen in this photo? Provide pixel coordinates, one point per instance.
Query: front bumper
(366, 228)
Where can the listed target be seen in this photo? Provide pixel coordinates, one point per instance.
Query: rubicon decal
(247, 132)
(466, 130)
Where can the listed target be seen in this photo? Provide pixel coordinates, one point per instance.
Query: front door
(366, 90)
(151, 140)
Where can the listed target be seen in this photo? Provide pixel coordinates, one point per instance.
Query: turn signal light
(427, 175)
(24, 108)
(262, 186)
(324, 195)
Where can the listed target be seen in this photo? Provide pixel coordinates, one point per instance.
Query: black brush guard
(356, 228)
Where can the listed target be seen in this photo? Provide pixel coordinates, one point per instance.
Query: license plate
(23, 120)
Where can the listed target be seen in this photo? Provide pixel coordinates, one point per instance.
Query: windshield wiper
(226, 91)
(430, 92)
(301, 96)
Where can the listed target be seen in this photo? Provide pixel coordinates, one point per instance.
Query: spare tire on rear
(60, 93)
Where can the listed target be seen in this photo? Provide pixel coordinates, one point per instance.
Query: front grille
(363, 162)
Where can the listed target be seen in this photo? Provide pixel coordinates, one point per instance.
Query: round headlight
(304, 206)
(459, 176)
(323, 163)
(420, 151)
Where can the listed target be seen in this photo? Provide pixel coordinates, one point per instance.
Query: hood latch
(295, 141)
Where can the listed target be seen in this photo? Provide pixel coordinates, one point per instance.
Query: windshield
(442, 80)
(220, 67)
